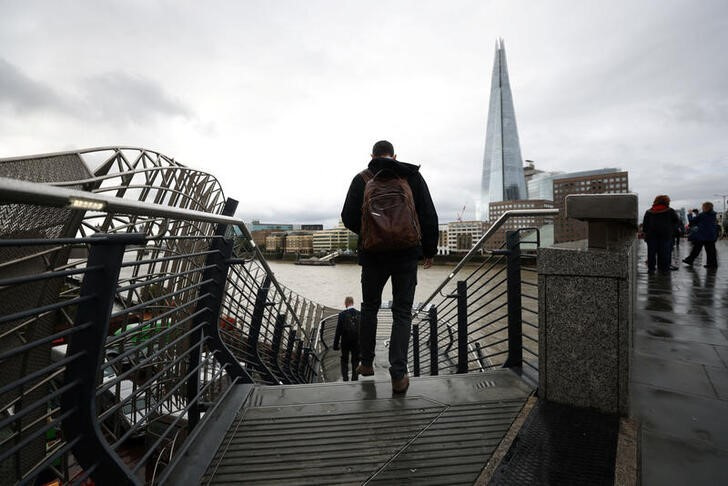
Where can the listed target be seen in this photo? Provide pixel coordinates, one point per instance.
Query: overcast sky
(282, 100)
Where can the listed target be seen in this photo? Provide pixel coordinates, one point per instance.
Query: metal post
(276, 346)
(513, 273)
(416, 348)
(306, 365)
(209, 315)
(433, 341)
(79, 401)
(462, 296)
(256, 322)
(289, 354)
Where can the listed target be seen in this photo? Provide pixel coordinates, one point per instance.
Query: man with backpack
(347, 334)
(389, 206)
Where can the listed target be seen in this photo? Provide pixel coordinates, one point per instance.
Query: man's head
(383, 149)
(663, 199)
(707, 206)
(349, 301)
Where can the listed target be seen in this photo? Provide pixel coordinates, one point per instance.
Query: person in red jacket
(658, 225)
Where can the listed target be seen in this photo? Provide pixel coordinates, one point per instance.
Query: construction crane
(459, 217)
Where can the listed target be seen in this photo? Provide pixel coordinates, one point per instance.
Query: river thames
(329, 285)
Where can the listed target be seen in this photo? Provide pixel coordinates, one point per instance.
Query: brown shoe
(400, 385)
(365, 370)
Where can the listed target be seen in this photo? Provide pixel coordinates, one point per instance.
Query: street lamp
(724, 196)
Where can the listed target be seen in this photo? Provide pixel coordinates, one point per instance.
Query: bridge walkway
(679, 382)
(442, 431)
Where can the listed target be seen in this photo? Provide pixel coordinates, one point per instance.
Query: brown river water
(329, 285)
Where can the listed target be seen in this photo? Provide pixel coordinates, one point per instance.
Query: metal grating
(442, 432)
(561, 445)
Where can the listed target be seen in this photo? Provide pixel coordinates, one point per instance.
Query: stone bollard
(586, 303)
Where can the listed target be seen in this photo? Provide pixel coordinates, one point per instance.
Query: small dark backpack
(388, 215)
(350, 329)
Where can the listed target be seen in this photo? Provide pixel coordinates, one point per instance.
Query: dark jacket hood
(403, 169)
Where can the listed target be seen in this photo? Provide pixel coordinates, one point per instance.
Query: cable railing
(487, 317)
(128, 317)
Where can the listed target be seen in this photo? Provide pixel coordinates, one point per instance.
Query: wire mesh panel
(160, 362)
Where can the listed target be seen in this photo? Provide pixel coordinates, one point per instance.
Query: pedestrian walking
(658, 226)
(389, 206)
(703, 234)
(346, 339)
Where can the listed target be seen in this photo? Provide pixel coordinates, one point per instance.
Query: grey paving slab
(668, 461)
(685, 332)
(677, 350)
(689, 417)
(672, 375)
(719, 379)
(722, 353)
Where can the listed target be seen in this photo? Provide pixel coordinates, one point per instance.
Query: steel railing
(488, 317)
(114, 348)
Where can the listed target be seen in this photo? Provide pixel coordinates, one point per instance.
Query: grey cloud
(22, 93)
(112, 96)
(117, 95)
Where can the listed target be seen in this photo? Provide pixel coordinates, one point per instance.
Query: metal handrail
(479, 244)
(26, 192)
(320, 330)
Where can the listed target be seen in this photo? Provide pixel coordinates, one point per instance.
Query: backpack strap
(367, 175)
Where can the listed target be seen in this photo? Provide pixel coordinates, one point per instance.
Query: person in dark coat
(400, 265)
(658, 225)
(346, 338)
(703, 233)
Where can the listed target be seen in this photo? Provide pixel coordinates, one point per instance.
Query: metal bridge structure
(145, 340)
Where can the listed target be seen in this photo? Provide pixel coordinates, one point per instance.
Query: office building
(602, 181)
(339, 238)
(462, 235)
(539, 222)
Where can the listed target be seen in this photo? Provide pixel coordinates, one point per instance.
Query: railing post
(433, 341)
(416, 348)
(462, 296)
(276, 345)
(299, 359)
(289, 355)
(306, 365)
(256, 323)
(513, 275)
(209, 315)
(92, 450)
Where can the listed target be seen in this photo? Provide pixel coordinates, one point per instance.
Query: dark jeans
(404, 281)
(346, 352)
(659, 250)
(711, 256)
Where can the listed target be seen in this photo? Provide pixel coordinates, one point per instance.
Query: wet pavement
(679, 382)
(442, 431)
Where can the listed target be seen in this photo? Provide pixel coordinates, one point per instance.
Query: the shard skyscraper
(503, 178)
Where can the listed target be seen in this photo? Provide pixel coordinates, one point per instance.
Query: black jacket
(660, 225)
(707, 224)
(351, 214)
(340, 328)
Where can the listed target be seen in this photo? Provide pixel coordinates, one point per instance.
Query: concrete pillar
(586, 302)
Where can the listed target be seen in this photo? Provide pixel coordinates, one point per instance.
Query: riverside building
(601, 181)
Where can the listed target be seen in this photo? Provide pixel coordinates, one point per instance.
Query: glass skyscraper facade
(503, 178)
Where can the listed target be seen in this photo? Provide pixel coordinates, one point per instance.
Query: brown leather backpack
(388, 215)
